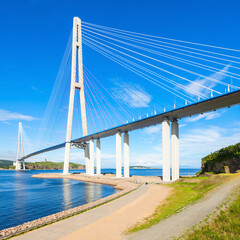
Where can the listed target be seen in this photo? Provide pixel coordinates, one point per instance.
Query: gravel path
(174, 226)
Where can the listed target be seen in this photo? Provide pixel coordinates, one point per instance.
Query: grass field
(184, 192)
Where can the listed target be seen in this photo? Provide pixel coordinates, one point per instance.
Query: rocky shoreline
(125, 186)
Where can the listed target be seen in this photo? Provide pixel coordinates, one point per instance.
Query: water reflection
(19, 197)
(67, 193)
(98, 191)
(89, 192)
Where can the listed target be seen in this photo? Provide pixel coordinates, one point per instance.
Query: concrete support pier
(66, 157)
(175, 150)
(118, 154)
(91, 162)
(98, 157)
(18, 165)
(126, 154)
(87, 158)
(77, 67)
(166, 150)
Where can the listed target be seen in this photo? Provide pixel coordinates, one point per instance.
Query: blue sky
(34, 35)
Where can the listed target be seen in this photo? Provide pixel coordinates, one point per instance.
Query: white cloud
(194, 145)
(201, 142)
(8, 116)
(132, 95)
(206, 116)
(210, 82)
(148, 159)
(34, 88)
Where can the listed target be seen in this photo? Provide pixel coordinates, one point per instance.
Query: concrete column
(91, 162)
(23, 164)
(118, 155)
(66, 157)
(175, 150)
(98, 152)
(18, 165)
(126, 154)
(76, 48)
(166, 150)
(87, 158)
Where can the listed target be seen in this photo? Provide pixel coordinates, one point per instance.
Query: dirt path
(191, 215)
(107, 221)
(112, 226)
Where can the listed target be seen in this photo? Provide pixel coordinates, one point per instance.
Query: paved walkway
(174, 226)
(104, 222)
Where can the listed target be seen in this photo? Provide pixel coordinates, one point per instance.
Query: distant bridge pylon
(19, 163)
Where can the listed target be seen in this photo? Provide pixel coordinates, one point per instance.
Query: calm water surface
(154, 172)
(24, 199)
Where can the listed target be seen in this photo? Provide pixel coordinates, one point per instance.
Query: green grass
(226, 225)
(184, 192)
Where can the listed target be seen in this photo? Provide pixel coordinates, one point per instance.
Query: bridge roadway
(212, 104)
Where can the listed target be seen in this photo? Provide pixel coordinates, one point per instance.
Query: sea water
(24, 199)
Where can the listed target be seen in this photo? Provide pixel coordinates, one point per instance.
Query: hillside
(52, 166)
(141, 167)
(5, 163)
(225, 160)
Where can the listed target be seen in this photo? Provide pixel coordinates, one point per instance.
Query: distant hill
(52, 166)
(5, 163)
(225, 160)
(141, 167)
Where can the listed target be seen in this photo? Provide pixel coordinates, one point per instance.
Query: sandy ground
(109, 179)
(113, 226)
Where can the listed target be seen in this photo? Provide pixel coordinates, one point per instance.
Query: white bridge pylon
(19, 163)
(89, 149)
(76, 84)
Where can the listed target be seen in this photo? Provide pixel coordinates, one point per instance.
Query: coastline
(125, 185)
(107, 179)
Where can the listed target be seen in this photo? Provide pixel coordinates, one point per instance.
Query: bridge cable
(158, 68)
(147, 78)
(88, 103)
(171, 65)
(109, 104)
(173, 57)
(100, 121)
(99, 107)
(110, 94)
(141, 34)
(153, 73)
(100, 97)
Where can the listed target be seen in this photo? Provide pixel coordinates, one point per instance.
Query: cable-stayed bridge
(179, 68)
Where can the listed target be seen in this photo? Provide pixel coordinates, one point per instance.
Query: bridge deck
(208, 105)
